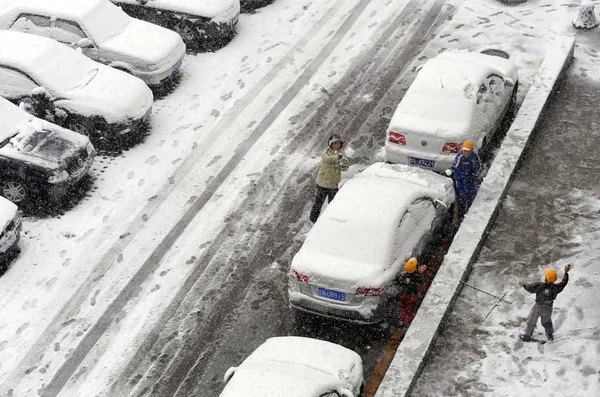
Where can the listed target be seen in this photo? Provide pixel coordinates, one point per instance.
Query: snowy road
(175, 275)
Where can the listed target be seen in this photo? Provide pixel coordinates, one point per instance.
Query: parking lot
(174, 265)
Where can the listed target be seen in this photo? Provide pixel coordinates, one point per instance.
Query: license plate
(177, 65)
(422, 162)
(83, 173)
(331, 294)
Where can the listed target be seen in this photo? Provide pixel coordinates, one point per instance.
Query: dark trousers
(407, 308)
(322, 193)
(465, 194)
(537, 311)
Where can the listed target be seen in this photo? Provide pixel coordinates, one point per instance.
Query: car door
(419, 231)
(15, 85)
(34, 24)
(71, 33)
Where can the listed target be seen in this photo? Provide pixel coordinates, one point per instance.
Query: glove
(448, 172)
(567, 268)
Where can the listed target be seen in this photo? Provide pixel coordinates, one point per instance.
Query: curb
(410, 359)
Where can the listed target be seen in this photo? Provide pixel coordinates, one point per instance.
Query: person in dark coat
(334, 161)
(545, 293)
(410, 280)
(464, 170)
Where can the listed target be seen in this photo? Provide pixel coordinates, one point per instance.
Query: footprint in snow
(67, 262)
(151, 160)
(130, 175)
(141, 182)
(29, 304)
(162, 142)
(22, 328)
(215, 113)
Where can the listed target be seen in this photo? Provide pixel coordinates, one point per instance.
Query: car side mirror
(85, 43)
(509, 82)
(343, 392)
(440, 205)
(39, 92)
(229, 374)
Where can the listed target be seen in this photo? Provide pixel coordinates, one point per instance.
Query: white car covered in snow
(350, 261)
(61, 85)
(457, 95)
(204, 25)
(10, 231)
(292, 366)
(102, 31)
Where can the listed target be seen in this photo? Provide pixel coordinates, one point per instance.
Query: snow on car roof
(49, 62)
(291, 366)
(101, 18)
(359, 226)
(8, 210)
(205, 8)
(442, 100)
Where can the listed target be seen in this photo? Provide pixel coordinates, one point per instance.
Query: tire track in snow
(96, 331)
(111, 257)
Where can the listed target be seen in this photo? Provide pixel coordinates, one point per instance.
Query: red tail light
(366, 291)
(396, 137)
(303, 278)
(451, 147)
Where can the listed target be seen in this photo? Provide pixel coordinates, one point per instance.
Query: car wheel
(14, 191)
(81, 126)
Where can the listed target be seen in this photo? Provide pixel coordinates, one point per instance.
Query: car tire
(81, 126)
(14, 191)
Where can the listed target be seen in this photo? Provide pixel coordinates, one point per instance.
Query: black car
(38, 158)
(204, 25)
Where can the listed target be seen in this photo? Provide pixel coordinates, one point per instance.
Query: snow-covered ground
(72, 267)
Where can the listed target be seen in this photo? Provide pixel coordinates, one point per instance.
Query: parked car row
(350, 261)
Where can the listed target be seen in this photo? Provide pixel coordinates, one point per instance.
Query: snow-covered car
(63, 86)
(294, 366)
(204, 25)
(457, 95)
(10, 231)
(102, 31)
(38, 158)
(349, 263)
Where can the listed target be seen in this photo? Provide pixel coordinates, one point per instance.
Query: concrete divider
(411, 355)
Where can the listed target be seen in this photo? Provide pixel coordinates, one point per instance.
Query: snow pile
(586, 17)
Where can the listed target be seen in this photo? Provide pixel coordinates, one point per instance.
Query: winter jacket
(466, 168)
(545, 292)
(409, 283)
(330, 174)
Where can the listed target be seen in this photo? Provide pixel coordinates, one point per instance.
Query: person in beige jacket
(330, 174)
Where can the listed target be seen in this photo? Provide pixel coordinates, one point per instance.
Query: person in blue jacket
(465, 168)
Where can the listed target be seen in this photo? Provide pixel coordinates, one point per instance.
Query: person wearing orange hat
(545, 293)
(464, 171)
(410, 280)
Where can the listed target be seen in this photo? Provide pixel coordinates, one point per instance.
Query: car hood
(202, 8)
(43, 144)
(115, 95)
(142, 43)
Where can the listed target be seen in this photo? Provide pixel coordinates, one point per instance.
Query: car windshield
(44, 144)
(64, 70)
(106, 21)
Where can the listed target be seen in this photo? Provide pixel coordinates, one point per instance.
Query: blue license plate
(422, 162)
(331, 294)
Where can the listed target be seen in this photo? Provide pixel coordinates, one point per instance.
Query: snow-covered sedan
(10, 231)
(204, 25)
(457, 95)
(103, 32)
(63, 86)
(294, 366)
(350, 261)
(38, 158)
